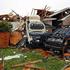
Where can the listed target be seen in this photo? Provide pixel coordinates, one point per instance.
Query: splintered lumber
(24, 64)
(32, 67)
(26, 69)
(66, 54)
(24, 49)
(1, 66)
(15, 37)
(44, 53)
(29, 65)
(67, 38)
(68, 68)
(4, 39)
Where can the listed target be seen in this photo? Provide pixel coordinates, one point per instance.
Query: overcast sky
(24, 7)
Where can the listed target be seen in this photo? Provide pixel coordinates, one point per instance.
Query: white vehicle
(34, 30)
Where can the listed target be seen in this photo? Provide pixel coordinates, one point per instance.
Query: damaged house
(44, 13)
(13, 18)
(17, 22)
(62, 16)
(59, 18)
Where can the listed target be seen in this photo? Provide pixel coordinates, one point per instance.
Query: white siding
(15, 25)
(48, 22)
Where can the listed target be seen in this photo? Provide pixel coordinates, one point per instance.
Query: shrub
(5, 26)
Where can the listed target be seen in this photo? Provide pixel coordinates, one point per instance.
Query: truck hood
(36, 33)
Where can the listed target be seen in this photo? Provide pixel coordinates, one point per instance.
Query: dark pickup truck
(58, 40)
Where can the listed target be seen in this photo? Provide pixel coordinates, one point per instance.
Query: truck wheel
(27, 44)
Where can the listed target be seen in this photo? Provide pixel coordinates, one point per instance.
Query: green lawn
(50, 63)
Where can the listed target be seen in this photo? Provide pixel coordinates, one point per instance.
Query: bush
(5, 26)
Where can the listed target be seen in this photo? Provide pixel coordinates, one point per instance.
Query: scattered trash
(12, 57)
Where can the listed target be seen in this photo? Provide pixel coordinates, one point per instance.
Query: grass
(8, 51)
(50, 63)
(54, 63)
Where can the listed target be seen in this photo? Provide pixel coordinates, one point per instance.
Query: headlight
(53, 39)
(65, 43)
(37, 40)
(59, 40)
(47, 30)
(30, 38)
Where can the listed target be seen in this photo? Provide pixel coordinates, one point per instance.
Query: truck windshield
(36, 26)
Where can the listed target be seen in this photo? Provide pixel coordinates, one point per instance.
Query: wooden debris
(68, 68)
(23, 64)
(15, 37)
(66, 54)
(29, 65)
(1, 66)
(44, 53)
(24, 49)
